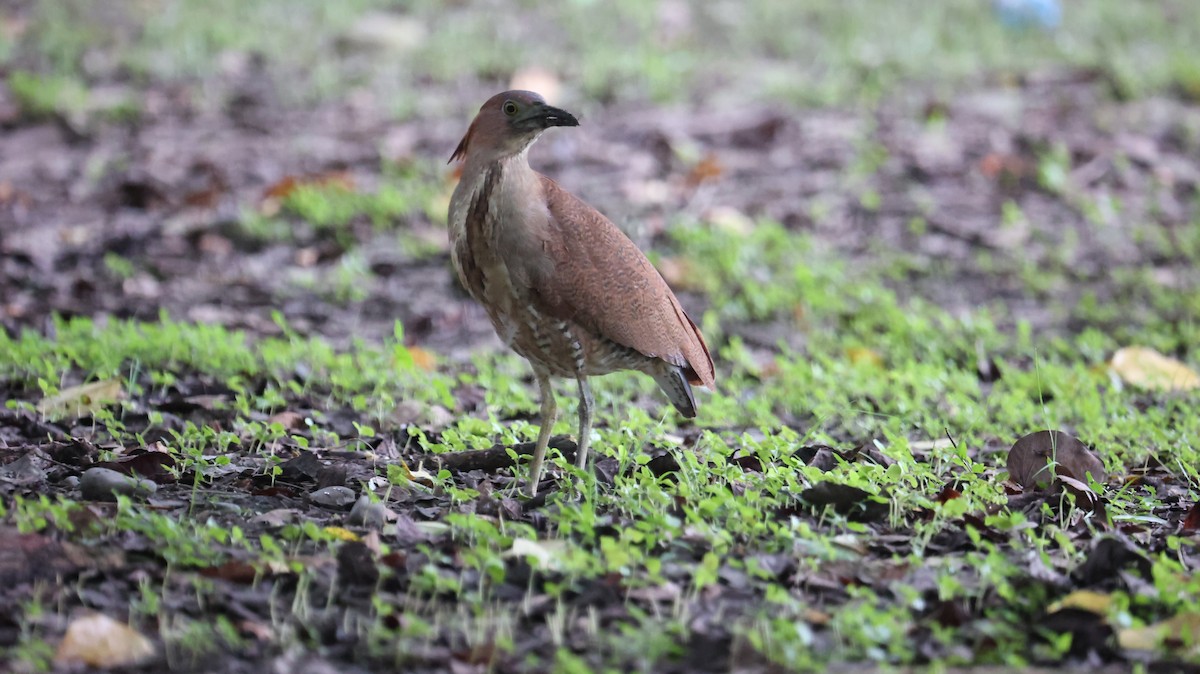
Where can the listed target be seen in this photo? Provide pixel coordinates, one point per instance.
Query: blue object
(1044, 14)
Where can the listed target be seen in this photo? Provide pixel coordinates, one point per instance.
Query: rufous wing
(600, 280)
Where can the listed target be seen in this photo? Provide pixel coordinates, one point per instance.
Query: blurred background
(222, 159)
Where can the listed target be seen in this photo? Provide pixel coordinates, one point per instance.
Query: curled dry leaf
(1084, 496)
(1146, 368)
(1036, 459)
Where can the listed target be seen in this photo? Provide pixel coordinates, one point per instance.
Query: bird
(562, 285)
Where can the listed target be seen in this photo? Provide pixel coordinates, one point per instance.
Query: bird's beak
(545, 116)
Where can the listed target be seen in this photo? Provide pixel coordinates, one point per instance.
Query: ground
(910, 241)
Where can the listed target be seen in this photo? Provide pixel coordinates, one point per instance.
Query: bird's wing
(601, 281)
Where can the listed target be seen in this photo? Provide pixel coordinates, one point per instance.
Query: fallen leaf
(234, 571)
(274, 195)
(1087, 600)
(1036, 459)
(547, 554)
(95, 640)
(1084, 496)
(706, 170)
(423, 358)
(80, 401)
(1173, 633)
(855, 503)
(1191, 521)
(948, 493)
(341, 534)
(290, 421)
(1146, 368)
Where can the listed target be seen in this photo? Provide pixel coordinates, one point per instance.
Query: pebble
(368, 513)
(333, 497)
(104, 484)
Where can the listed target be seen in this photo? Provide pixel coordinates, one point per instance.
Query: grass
(712, 525)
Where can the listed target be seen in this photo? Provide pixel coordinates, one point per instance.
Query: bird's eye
(510, 108)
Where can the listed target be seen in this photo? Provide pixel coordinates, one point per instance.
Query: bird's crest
(460, 152)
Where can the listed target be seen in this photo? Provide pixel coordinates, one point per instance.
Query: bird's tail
(674, 382)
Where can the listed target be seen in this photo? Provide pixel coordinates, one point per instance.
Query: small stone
(333, 497)
(368, 513)
(104, 484)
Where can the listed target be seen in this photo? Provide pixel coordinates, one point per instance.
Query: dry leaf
(290, 421)
(1084, 496)
(1085, 600)
(81, 401)
(1191, 521)
(341, 534)
(95, 640)
(547, 554)
(423, 358)
(706, 170)
(1146, 368)
(1181, 630)
(274, 195)
(1036, 459)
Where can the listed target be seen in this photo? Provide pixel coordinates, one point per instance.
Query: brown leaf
(274, 195)
(290, 420)
(948, 493)
(153, 465)
(855, 503)
(1191, 521)
(1035, 460)
(706, 170)
(234, 571)
(1084, 496)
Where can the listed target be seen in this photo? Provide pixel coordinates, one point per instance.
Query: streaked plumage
(563, 286)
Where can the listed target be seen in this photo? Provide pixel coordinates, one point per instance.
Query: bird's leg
(549, 411)
(586, 403)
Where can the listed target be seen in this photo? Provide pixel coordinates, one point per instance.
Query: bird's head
(507, 123)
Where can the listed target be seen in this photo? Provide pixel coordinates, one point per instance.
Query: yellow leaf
(341, 534)
(1181, 630)
(423, 358)
(1146, 368)
(861, 355)
(82, 400)
(1084, 600)
(95, 640)
(420, 475)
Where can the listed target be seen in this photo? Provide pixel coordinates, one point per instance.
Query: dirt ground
(166, 192)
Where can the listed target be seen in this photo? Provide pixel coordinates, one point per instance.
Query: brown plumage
(563, 286)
